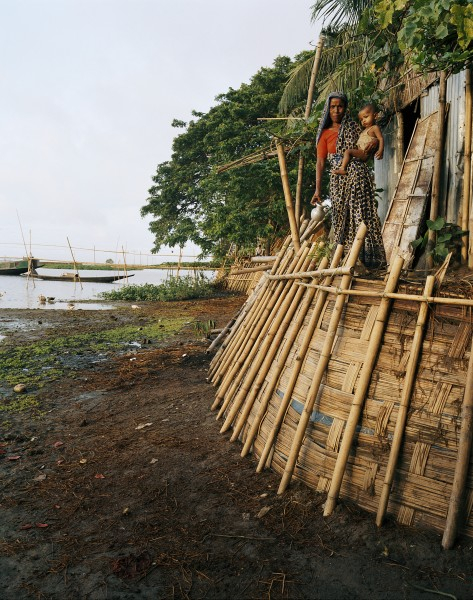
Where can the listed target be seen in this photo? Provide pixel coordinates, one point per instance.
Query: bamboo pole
(407, 388)
(312, 228)
(264, 267)
(318, 273)
(260, 329)
(260, 303)
(277, 367)
(465, 443)
(231, 383)
(74, 262)
(262, 259)
(434, 200)
(223, 333)
(260, 296)
(124, 263)
(179, 261)
(308, 106)
(467, 216)
(399, 140)
(262, 363)
(392, 296)
(241, 315)
(265, 303)
(298, 362)
(288, 196)
(324, 358)
(362, 388)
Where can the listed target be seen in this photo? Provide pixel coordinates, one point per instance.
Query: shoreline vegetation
(184, 287)
(131, 267)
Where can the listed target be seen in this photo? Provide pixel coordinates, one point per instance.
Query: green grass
(174, 288)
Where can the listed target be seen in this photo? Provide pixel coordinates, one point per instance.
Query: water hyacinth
(174, 288)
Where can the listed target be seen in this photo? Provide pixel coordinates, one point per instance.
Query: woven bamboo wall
(423, 480)
(243, 283)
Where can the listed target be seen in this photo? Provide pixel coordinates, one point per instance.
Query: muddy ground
(119, 485)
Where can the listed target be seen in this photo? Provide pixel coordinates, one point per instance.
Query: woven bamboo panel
(423, 479)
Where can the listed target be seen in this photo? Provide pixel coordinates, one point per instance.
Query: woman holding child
(351, 185)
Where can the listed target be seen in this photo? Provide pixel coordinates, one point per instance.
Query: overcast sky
(89, 89)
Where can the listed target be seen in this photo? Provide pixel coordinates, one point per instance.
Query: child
(371, 132)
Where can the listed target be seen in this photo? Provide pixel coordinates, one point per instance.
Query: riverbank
(116, 482)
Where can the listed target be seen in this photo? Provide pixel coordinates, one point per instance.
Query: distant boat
(18, 267)
(77, 278)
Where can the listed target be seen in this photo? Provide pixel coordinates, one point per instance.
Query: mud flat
(115, 482)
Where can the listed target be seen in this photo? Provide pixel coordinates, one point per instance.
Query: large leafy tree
(193, 200)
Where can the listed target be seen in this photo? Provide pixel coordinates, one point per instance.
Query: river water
(22, 292)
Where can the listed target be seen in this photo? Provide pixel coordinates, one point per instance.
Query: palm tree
(345, 55)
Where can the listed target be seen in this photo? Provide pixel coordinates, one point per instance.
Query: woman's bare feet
(339, 171)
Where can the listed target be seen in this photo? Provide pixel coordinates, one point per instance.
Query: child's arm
(379, 136)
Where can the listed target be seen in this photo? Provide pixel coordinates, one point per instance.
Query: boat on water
(76, 277)
(18, 266)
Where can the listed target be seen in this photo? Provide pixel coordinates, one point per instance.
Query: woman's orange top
(327, 143)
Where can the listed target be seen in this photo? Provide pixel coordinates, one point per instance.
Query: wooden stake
(124, 263)
(298, 362)
(407, 388)
(361, 390)
(324, 358)
(288, 197)
(457, 498)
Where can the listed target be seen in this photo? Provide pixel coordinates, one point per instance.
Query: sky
(89, 89)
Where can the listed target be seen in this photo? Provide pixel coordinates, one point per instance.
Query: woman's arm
(319, 169)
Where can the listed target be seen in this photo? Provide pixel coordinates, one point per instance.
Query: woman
(352, 195)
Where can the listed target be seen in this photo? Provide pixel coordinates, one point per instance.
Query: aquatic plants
(174, 288)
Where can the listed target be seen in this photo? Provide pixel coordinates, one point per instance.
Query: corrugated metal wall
(387, 170)
(452, 164)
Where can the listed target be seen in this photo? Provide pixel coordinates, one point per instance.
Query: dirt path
(123, 488)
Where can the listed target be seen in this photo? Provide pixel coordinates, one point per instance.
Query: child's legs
(346, 158)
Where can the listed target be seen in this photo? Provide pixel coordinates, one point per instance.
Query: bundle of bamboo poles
(355, 387)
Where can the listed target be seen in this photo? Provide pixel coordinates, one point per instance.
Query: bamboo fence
(355, 386)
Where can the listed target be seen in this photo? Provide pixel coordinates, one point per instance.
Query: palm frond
(339, 12)
(297, 86)
(340, 68)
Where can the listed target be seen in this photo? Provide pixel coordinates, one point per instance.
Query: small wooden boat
(76, 277)
(17, 267)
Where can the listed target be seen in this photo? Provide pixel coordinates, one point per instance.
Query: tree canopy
(371, 44)
(191, 201)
